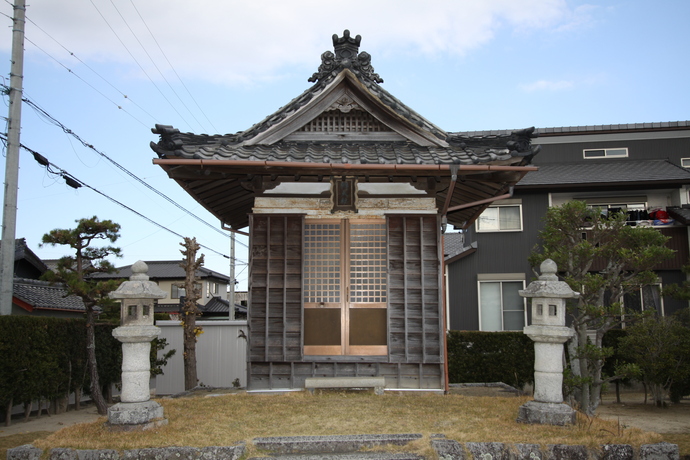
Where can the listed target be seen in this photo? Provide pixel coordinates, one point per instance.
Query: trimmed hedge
(482, 357)
(44, 358)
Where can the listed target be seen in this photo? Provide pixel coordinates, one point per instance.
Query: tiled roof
(167, 307)
(665, 125)
(22, 251)
(463, 150)
(221, 306)
(163, 269)
(680, 213)
(296, 143)
(454, 246)
(43, 295)
(597, 172)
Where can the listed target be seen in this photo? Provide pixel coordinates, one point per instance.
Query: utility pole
(9, 214)
(231, 291)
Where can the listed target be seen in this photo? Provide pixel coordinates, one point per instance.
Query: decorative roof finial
(346, 47)
(347, 56)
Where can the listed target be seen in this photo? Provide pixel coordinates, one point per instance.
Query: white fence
(221, 354)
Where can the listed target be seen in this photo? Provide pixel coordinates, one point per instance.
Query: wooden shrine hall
(345, 192)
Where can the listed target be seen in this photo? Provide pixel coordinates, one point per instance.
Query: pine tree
(76, 272)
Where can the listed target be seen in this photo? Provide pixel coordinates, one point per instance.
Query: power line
(73, 182)
(92, 70)
(155, 65)
(139, 64)
(172, 67)
(66, 130)
(87, 83)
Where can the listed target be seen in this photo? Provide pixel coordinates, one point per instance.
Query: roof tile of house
(592, 128)
(164, 269)
(466, 151)
(43, 295)
(461, 149)
(606, 172)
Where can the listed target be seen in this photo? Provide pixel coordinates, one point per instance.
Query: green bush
(44, 358)
(483, 357)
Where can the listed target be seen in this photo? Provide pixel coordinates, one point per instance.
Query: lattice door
(345, 287)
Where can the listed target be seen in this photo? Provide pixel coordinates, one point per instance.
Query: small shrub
(476, 357)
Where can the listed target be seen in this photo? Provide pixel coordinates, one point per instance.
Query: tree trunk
(96, 394)
(190, 376)
(77, 398)
(190, 332)
(584, 372)
(27, 410)
(8, 413)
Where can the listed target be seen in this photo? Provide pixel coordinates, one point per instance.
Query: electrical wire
(66, 130)
(139, 64)
(172, 67)
(73, 182)
(87, 83)
(156, 66)
(90, 68)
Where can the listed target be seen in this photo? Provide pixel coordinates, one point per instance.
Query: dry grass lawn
(227, 419)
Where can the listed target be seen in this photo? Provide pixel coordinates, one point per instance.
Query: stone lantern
(136, 411)
(549, 332)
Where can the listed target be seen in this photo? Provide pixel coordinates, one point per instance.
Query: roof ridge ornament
(347, 56)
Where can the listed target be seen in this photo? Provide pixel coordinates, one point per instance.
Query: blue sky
(213, 66)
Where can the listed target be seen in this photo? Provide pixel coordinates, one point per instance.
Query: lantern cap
(138, 286)
(548, 284)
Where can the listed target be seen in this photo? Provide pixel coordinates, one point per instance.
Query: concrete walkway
(50, 422)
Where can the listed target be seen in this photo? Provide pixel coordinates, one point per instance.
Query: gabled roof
(221, 306)
(629, 173)
(595, 129)
(164, 269)
(454, 247)
(346, 124)
(42, 295)
(23, 255)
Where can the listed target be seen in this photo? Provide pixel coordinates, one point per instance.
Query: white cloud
(239, 40)
(546, 85)
(582, 17)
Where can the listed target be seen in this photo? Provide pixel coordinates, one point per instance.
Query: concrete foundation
(546, 413)
(137, 416)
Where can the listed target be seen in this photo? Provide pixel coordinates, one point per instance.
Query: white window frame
(500, 278)
(478, 224)
(211, 289)
(642, 306)
(685, 162)
(175, 290)
(606, 153)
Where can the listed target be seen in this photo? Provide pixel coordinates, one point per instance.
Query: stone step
(344, 456)
(335, 447)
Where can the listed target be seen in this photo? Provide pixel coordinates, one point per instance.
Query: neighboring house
(214, 309)
(345, 191)
(27, 264)
(169, 275)
(39, 298)
(637, 169)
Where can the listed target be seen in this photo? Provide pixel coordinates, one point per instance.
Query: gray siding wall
(646, 149)
(500, 252)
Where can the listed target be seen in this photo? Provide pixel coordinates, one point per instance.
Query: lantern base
(137, 416)
(543, 413)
